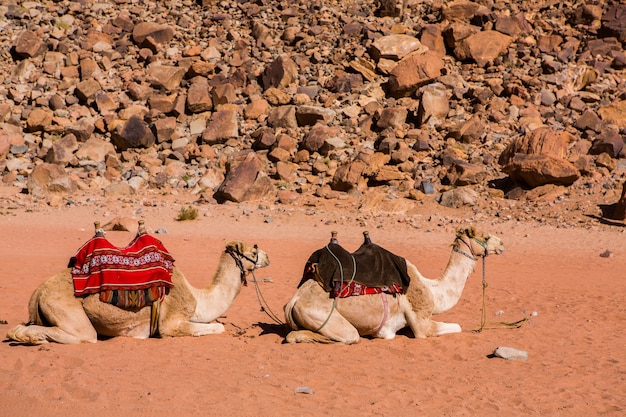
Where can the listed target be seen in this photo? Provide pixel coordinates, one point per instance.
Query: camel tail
(291, 321)
(34, 312)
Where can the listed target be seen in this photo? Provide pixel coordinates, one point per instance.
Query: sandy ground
(574, 339)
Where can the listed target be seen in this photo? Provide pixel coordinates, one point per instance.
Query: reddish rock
(619, 211)
(540, 169)
(348, 177)
(482, 47)
(62, 151)
(134, 134)
(245, 180)
(413, 72)
(159, 33)
(222, 126)
(543, 140)
(28, 45)
(47, 179)
(280, 73)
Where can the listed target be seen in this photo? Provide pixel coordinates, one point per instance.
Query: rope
(483, 316)
(341, 282)
(264, 304)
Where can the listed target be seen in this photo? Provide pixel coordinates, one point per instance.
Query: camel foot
(307, 336)
(447, 328)
(21, 334)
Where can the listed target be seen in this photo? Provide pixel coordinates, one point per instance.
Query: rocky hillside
(486, 104)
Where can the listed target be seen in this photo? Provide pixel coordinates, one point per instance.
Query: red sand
(575, 342)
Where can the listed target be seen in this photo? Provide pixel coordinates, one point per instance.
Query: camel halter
(238, 256)
(483, 316)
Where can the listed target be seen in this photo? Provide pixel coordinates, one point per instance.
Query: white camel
(315, 317)
(56, 315)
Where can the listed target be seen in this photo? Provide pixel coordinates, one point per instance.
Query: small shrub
(187, 213)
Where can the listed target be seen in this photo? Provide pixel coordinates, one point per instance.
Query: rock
(157, 32)
(165, 128)
(614, 113)
(87, 90)
(94, 151)
(244, 181)
(28, 45)
(510, 353)
(434, 104)
(392, 117)
(413, 72)
(348, 177)
(281, 73)
(283, 116)
(458, 197)
(609, 142)
(316, 139)
(223, 94)
(482, 47)
(46, 179)
(135, 133)
(543, 140)
(540, 169)
(461, 10)
(166, 77)
(395, 47)
(613, 23)
(311, 115)
(619, 211)
(432, 38)
(222, 126)
(38, 120)
(163, 103)
(62, 151)
(198, 97)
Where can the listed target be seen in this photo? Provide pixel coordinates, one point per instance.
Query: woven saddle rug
(130, 277)
(370, 269)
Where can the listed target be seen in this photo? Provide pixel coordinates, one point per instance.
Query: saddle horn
(366, 238)
(99, 231)
(333, 237)
(141, 228)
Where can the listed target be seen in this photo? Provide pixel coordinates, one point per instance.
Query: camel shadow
(607, 212)
(281, 330)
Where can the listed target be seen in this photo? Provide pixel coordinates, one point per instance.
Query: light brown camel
(56, 315)
(315, 317)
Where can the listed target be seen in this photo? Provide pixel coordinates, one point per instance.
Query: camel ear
(235, 246)
(471, 231)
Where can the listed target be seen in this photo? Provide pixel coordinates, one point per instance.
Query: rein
(483, 315)
(341, 281)
(238, 256)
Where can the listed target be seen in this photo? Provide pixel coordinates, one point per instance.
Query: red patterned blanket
(349, 289)
(144, 266)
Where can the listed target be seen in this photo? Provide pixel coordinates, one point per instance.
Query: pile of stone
(247, 100)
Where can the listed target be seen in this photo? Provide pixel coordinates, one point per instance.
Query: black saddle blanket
(375, 267)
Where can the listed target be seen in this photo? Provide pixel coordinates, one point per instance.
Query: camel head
(248, 257)
(480, 244)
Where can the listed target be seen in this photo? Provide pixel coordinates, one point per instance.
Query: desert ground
(569, 281)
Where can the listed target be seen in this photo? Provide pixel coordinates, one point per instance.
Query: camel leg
(442, 328)
(68, 323)
(174, 328)
(37, 335)
(335, 329)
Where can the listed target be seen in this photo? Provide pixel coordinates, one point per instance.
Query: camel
(314, 316)
(56, 315)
